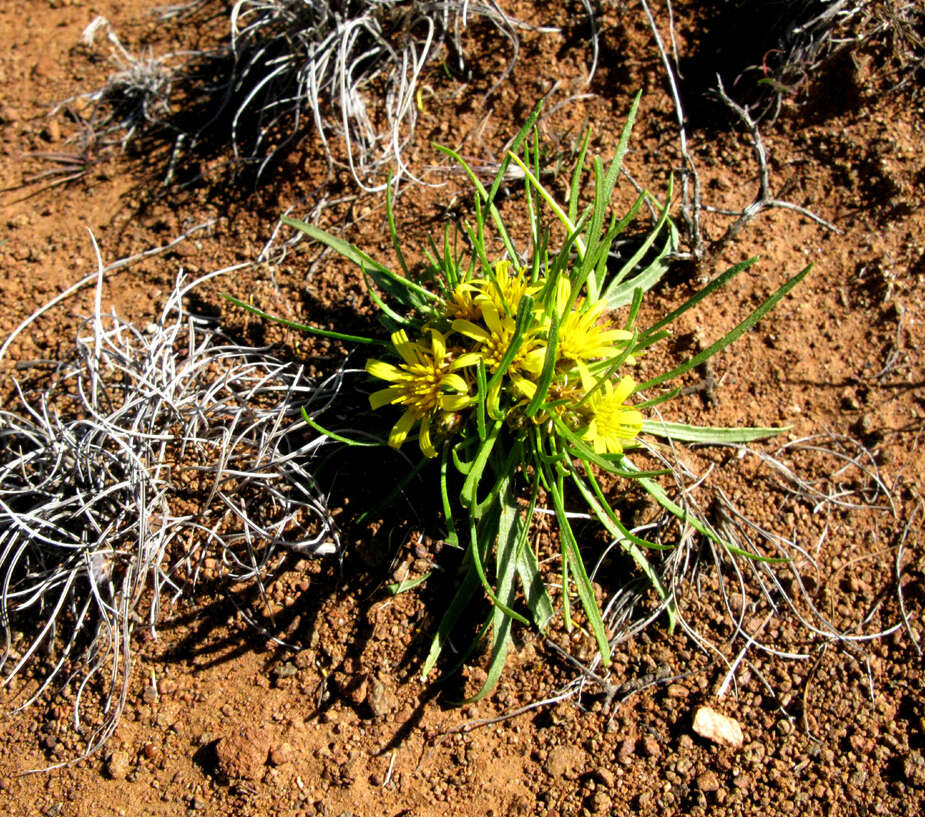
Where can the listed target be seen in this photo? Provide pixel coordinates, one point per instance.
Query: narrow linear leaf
(394, 284)
(709, 435)
(408, 584)
(515, 146)
(736, 333)
(633, 261)
(553, 204)
(302, 327)
(658, 494)
(508, 537)
(576, 566)
(623, 293)
(719, 281)
(467, 587)
(339, 437)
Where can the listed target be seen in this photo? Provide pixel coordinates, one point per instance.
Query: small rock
(849, 401)
(676, 691)
(198, 803)
(8, 116)
(606, 777)
(601, 802)
(282, 754)
(285, 670)
(381, 699)
(167, 686)
(243, 753)
(650, 747)
(118, 764)
(44, 67)
(914, 769)
(154, 753)
(718, 728)
(707, 781)
(565, 761)
(52, 131)
(626, 751)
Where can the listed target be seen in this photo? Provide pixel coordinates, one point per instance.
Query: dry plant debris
(148, 460)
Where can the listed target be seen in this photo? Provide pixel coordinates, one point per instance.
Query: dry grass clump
(789, 45)
(351, 69)
(143, 454)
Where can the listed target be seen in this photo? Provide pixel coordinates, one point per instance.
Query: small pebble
(707, 781)
(565, 761)
(601, 802)
(282, 754)
(626, 751)
(118, 764)
(243, 753)
(380, 699)
(718, 728)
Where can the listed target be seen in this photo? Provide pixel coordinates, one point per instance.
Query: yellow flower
(463, 302)
(425, 384)
(612, 424)
(507, 289)
(581, 336)
(495, 338)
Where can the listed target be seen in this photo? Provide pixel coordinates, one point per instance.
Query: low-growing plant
(515, 369)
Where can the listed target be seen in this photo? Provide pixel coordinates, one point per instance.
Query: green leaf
(335, 436)
(398, 287)
(407, 584)
(507, 537)
(549, 365)
(716, 283)
(576, 566)
(467, 587)
(736, 333)
(643, 248)
(658, 494)
(575, 189)
(709, 435)
(553, 204)
(301, 327)
(480, 189)
(611, 522)
(468, 494)
(515, 146)
(484, 539)
(390, 216)
(620, 294)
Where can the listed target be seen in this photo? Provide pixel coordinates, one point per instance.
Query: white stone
(718, 728)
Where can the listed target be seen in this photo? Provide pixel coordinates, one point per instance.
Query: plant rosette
(515, 370)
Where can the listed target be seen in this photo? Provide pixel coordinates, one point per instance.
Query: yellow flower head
(507, 289)
(581, 335)
(494, 339)
(612, 423)
(463, 302)
(425, 384)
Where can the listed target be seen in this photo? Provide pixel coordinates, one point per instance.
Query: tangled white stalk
(141, 455)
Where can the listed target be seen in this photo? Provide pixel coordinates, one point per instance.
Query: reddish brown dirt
(234, 725)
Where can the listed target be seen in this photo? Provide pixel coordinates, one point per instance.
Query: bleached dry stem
(144, 453)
